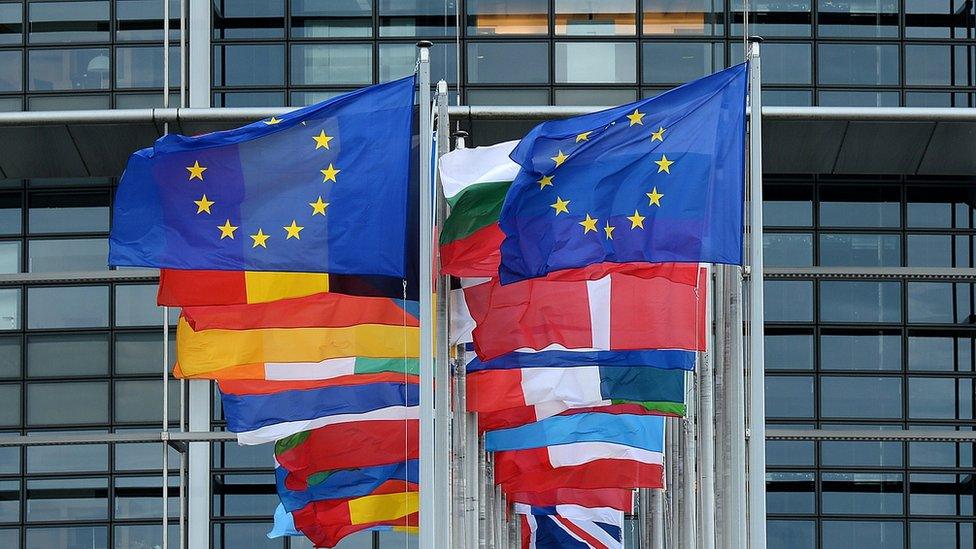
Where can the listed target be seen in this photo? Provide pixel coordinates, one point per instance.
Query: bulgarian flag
(475, 182)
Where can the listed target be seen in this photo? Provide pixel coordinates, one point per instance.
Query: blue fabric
(345, 483)
(264, 176)
(638, 431)
(284, 524)
(663, 359)
(250, 412)
(608, 174)
(550, 534)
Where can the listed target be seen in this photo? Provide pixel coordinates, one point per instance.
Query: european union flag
(659, 180)
(320, 189)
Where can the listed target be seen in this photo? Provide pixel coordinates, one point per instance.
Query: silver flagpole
(428, 495)
(689, 496)
(656, 511)
(723, 449)
(757, 392)
(735, 391)
(706, 426)
(677, 477)
(444, 459)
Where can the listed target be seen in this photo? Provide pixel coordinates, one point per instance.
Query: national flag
(602, 307)
(558, 532)
(265, 411)
(295, 371)
(343, 483)
(638, 431)
(208, 351)
(344, 446)
(284, 525)
(658, 180)
(492, 390)
(320, 189)
(569, 510)
(606, 473)
(185, 288)
(475, 182)
(615, 498)
(542, 461)
(668, 359)
(515, 417)
(326, 522)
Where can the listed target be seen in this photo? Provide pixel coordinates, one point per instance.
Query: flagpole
(444, 460)
(689, 498)
(757, 394)
(428, 494)
(706, 426)
(720, 397)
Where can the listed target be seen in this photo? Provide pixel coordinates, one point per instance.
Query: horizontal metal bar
(919, 435)
(922, 273)
(118, 438)
(124, 275)
(242, 114)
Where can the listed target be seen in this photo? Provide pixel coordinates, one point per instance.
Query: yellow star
(664, 165)
(322, 140)
(655, 197)
(260, 239)
(585, 136)
(546, 181)
(658, 135)
(196, 171)
(636, 220)
(560, 205)
(330, 173)
(609, 230)
(589, 224)
(293, 230)
(272, 122)
(318, 207)
(203, 205)
(226, 230)
(636, 117)
(560, 158)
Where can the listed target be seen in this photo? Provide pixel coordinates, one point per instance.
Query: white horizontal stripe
(271, 433)
(599, 533)
(578, 453)
(575, 386)
(297, 371)
(462, 168)
(606, 515)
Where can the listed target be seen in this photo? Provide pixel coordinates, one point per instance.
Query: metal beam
(920, 435)
(922, 273)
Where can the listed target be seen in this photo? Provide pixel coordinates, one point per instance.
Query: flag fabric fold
(558, 532)
(344, 483)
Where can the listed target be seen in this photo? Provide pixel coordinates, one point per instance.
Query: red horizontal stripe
(323, 310)
(603, 473)
(477, 254)
(494, 390)
(179, 288)
(350, 445)
(262, 387)
(616, 498)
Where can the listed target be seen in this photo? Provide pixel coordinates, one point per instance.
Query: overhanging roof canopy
(801, 140)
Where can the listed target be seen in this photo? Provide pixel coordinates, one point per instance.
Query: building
(891, 348)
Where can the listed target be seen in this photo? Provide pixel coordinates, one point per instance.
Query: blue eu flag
(659, 180)
(320, 189)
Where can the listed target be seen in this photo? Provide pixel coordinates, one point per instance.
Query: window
(856, 301)
(69, 22)
(594, 62)
(67, 307)
(497, 17)
(67, 403)
(249, 65)
(863, 534)
(331, 64)
(787, 249)
(595, 17)
(46, 355)
(249, 19)
(680, 62)
(77, 254)
(773, 17)
(143, 67)
(11, 23)
(76, 69)
(143, 20)
(790, 493)
(788, 350)
(861, 494)
(858, 64)
(861, 397)
(490, 62)
(938, 19)
(860, 250)
(860, 206)
(417, 17)
(788, 301)
(851, 350)
(857, 18)
(789, 396)
(695, 18)
(311, 19)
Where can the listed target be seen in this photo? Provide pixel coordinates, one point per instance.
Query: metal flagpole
(757, 394)
(675, 489)
(444, 459)
(428, 493)
(735, 390)
(723, 446)
(655, 504)
(165, 538)
(706, 426)
(689, 499)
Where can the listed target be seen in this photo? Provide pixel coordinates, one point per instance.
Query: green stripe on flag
(290, 442)
(669, 408)
(366, 365)
(474, 208)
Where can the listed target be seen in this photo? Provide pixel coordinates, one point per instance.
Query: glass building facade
(854, 352)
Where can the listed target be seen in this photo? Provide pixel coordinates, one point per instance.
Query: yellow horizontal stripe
(407, 529)
(383, 507)
(210, 350)
(272, 286)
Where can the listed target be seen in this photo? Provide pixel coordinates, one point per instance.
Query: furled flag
(320, 189)
(545, 531)
(475, 182)
(658, 180)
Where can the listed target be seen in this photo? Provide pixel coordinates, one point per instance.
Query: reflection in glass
(860, 397)
(141, 401)
(491, 63)
(858, 64)
(787, 249)
(790, 493)
(244, 495)
(773, 17)
(10, 501)
(940, 398)
(861, 206)
(10, 257)
(10, 356)
(53, 22)
(596, 97)
(67, 403)
(399, 60)
(68, 102)
(791, 534)
(249, 99)
(135, 305)
(787, 205)
(509, 96)
(249, 65)
(77, 458)
(857, 18)
(941, 534)
(305, 98)
(939, 250)
(68, 212)
(494, 17)
(10, 411)
(314, 19)
(77, 537)
(10, 212)
(46, 355)
(857, 301)
(940, 494)
(9, 309)
(78, 69)
(248, 19)
(140, 498)
(143, 20)
(76, 254)
(143, 67)
(73, 499)
(331, 64)
(862, 493)
(595, 17)
(862, 534)
(860, 351)
(944, 207)
(790, 452)
(789, 396)
(938, 19)
(694, 18)
(939, 302)
(849, 453)
(680, 62)
(860, 250)
(11, 23)
(852, 98)
(787, 98)
(788, 351)
(11, 71)
(143, 535)
(594, 63)
(417, 17)
(788, 300)
(934, 351)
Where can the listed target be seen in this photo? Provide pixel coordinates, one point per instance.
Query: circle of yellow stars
(293, 230)
(589, 223)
